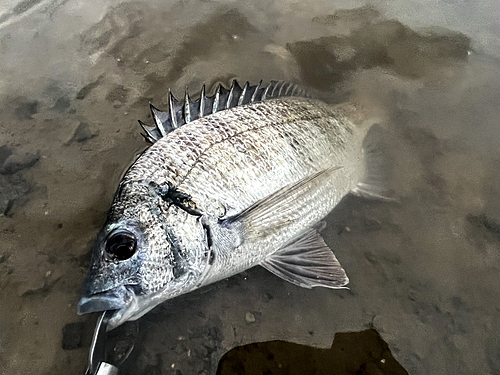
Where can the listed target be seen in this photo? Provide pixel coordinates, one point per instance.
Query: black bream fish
(231, 181)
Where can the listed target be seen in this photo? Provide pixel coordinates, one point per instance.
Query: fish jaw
(128, 305)
(114, 299)
(122, 300)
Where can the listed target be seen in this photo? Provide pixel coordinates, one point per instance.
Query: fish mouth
(121, 300)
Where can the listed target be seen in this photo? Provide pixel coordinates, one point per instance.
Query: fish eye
(121, 245)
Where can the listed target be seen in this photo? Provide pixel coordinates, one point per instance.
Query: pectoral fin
(279, 209)
(307, 261)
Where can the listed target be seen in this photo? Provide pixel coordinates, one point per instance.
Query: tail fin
(379, 163)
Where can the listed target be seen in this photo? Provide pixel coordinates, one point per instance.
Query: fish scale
(198, 141)
(263, 171)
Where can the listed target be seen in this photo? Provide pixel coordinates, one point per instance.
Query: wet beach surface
(424, 270)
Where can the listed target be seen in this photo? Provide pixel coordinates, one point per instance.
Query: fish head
(147, 252)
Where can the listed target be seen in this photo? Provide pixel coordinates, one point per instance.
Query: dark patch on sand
(25, 5)
(203, 38)
(15, 163)
(26, 109)
(327, 61)
(62, 104)
(117, 94)
(87, 89)
(4, 257)
(362, 353)
(13, 187)
(83, 133)
(200, 43)
(119, 24)
(5, 152)
(483, 221)
(72, 335)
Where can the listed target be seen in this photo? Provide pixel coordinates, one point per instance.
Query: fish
(242, 178)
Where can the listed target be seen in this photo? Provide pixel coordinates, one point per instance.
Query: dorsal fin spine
(276, 85)
(231, 94)
(266, 90)
(216, 99)
(243, 93)
(283, 84)
(202, 101)
(185, 111)
(150, 135)
(157, 118)
(171, 109)
(254, 95)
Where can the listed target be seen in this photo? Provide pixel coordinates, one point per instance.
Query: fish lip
(121, 300)
(99, 302)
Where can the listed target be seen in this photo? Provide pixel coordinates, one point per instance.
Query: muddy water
(424, 270)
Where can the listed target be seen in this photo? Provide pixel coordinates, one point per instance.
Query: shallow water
(351, 353)
(424, 271)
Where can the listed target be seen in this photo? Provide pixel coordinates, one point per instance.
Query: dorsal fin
(182, 112)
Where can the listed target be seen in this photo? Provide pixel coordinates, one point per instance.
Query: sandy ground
(424, 270)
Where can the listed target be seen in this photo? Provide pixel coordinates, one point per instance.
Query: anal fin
(307, 261)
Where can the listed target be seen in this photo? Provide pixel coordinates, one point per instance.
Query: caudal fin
(379, 165)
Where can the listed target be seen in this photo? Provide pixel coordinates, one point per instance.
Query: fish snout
(113, 299)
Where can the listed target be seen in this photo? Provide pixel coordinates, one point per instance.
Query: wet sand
(424, 270)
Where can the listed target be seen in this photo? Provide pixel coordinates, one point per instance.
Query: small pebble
(249, 317)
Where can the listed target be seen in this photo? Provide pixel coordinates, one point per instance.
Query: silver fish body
(222, 193)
